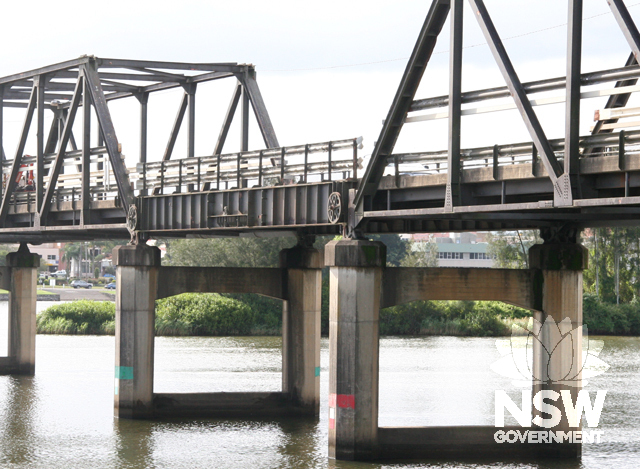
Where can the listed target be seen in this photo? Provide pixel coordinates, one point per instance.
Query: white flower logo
(561, 340)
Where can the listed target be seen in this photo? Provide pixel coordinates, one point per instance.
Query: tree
(510, 249)
(70, 252)
(614, 263)
(227, 252)
(396, 248)
(4, 250)
(421, 254)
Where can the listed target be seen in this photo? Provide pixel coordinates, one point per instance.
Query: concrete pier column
(557, 349)
(136, 291)
(356, 270)
(301, 327)
(22, 270)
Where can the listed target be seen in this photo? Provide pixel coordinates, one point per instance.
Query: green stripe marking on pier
(317, 371)
(124, 372)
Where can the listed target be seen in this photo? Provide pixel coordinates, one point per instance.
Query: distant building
(460, 249)
(50, 253)
(464, 255)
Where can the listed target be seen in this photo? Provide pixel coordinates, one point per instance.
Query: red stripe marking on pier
(346, 401)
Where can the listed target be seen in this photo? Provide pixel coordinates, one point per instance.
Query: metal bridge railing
(301, 163)
(102, 185)
(608, 144)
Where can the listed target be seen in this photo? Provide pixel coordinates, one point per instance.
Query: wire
(529, 33)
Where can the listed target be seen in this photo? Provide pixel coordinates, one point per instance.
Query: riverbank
(193, 314)
(42, 295)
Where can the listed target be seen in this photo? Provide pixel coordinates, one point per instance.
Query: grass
(39, 292)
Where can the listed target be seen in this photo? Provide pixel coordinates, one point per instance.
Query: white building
(50, 253)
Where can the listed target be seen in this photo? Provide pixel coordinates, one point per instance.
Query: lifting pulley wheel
(334, 207)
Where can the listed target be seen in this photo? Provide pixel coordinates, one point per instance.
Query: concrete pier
(136, 286)
(19, 277)
(360, 286)
(141, 281)
(356, 270)
(558, 298)
(301, 327)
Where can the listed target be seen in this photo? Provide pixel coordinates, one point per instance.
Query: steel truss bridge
(74, 189)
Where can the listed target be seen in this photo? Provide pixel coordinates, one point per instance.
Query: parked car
(81, 284)
(111, 286)
(60, 273)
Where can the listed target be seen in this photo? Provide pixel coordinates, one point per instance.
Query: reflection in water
(64, 416)
(18, 410)
(133, 445)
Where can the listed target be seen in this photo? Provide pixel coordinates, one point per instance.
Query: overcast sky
(327, 70)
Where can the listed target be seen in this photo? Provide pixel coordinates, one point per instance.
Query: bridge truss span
(582, 180)
(77, 183)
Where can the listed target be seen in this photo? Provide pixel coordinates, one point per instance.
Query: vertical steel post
(396, 170)
(282, 166)
(572, 113)
(621, 151)
(100, 144)
(238, 182)
(144, 100)
(355, 161)
(330, 157)
(191, 139)
(306, 162)
(260, 169)
(452, 195)
(2, 154)
(39, 82)
(161, 177)
(218, 172)
(86, 153)
(244, 116)
(199, 174)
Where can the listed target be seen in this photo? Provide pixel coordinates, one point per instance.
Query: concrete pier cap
(23, 258)
(136, 255)
(301, 257)
(558, 256)
(355, 253)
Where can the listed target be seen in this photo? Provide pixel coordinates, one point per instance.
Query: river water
(63, 418)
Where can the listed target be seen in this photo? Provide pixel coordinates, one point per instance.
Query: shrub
(78, 317)
(203, 314)
(267, 312)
